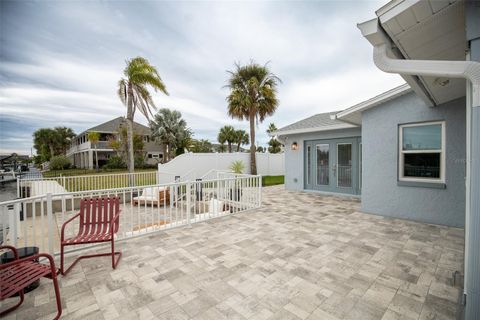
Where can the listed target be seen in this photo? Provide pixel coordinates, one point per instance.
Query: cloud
(61, 61)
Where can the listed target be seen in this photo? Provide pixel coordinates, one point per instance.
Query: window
(422, 152)
(309, 163)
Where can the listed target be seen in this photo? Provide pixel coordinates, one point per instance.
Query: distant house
(82, 152)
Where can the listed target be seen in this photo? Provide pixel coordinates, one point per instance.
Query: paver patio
(301, 256)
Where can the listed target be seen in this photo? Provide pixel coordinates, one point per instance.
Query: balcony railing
(36, 221)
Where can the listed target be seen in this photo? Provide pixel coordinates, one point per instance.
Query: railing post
(50, 222)
(189, 196)
(18, 187)
(260, 191)
(15, 223)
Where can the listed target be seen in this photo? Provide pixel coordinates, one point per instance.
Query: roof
(318, 122)
(423, 30)
(112, 126)
(354, 113)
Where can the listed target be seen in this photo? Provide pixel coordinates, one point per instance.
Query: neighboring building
(82, 152)
(412, 152)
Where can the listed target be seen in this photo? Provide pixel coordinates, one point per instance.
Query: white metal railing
(35, 186)
(37, 221)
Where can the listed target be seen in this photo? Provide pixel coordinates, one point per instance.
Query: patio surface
(301, 256)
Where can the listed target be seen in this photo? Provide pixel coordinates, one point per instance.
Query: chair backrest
(97, 213)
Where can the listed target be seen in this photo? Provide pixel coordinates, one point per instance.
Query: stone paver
(300, 256)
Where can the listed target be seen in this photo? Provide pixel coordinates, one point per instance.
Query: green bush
(59, 163)
(115, 162)
(139, 162)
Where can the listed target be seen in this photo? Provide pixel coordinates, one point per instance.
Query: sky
(60, 62)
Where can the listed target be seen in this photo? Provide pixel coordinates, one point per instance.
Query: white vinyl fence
(196, 165)
(37, 221)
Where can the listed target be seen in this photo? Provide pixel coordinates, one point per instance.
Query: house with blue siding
(412, 152)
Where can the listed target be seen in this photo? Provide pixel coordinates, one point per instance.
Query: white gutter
(382, 46)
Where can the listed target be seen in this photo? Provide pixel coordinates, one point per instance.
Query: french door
(333, 165)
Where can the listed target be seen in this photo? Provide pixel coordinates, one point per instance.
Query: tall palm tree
(227, 134)
(241, 137)
(134, 94)
(169, 127)
(252, 97)
(94, 137)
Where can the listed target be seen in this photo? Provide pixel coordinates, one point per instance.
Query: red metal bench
(99, 222)
(20, 273)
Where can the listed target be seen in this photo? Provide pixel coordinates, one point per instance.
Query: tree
(202, 145)
(274, 146)
(271, 128)
(260, 149)
(227, 134)
(94, 137)
(252, 97)
(170, 129)
(133, 92)
(51, 142)
(119, 143)
(241, 138)
(65, 136)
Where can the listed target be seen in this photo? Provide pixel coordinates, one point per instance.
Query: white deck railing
(28, 186)
(37, 221)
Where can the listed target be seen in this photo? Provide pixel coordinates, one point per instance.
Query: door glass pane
(344, 165)
(428, 137)
(309, 164)
(323, 151)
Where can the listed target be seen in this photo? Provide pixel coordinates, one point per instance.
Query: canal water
(8, 191)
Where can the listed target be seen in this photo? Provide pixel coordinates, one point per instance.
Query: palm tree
(94, 137)
(65, 136)
(133, 92)
(271, 128)
(170, 129)
(227, 134)
(252, 97)
(241, 138)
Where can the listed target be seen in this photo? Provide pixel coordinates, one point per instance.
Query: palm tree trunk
(130, 161)
(238, 147)
(229, 147)
(253, 163)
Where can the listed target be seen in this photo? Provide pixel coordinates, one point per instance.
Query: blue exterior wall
(380, 192)
(294, 159)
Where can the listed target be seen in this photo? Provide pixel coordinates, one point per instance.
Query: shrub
(237, 166)
(115, 162)
(59, 163)
(139, 162)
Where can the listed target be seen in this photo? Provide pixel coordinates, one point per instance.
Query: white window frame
(401, 152)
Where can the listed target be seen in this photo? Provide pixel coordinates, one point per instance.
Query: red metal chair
(99, 222)
(20, 273)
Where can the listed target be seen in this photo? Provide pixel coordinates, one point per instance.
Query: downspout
(469, 70)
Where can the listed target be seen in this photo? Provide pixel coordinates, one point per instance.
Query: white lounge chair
(153, 196)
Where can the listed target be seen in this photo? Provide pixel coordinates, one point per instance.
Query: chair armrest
(29, 258)
(15, 252)
(65, 224)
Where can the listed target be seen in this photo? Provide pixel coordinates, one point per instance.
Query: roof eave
(316, 129)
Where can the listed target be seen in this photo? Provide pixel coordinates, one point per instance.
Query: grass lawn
(272, 180)
(82, 172)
